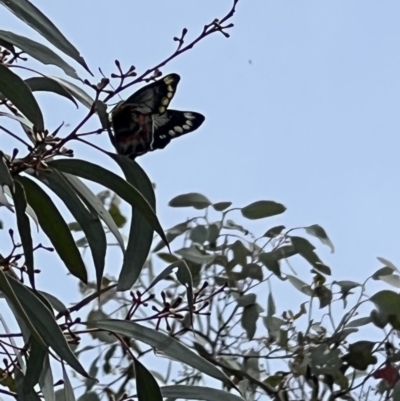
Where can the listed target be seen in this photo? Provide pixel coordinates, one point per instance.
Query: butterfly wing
(133, 132)
(137, 134)
(173, 124)
(142, 123)
(155, 97)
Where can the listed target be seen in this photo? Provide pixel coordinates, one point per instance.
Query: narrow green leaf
(146, 385)
(53, 301)
(164, 343)
(271, 309)
(193, 199)
(93, 317)
(306, 250)
(3, 199)
(32, 16)
(262, 209)
(68, 390)
(45, 324)
(34, 365)
(172, 268)
(387, 263)
(168, 257)
(21, 119)
(383, 271)
(93, 371)
(171, 234)
(30, 395)
(79, 94)
(140, 233)
(317, 231)
(29, 211)
(8, 290)
(18, 92)
(89, 222)
(249, 320)
(93, 202)
(38, 51)
(24, 230)
(53, 224)
(46, 381)
(300, 285)
(274, 231)
(185, 278)
(46, 84)
(362, 321)
(198, 393)
(195, 255)
(113, 182)
(7, 46)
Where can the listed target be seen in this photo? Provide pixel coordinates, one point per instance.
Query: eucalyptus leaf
(32, 16)
(79, 94)
(115, 183)
(163, 343)
(45, 324)
(89, 223)
(198, 393)
(46, 84)
(53, 224)
(38, 51)
(24, 229)
(262, 209)
(193, 199)
(19, 94)
(141, 232)
(146, 385)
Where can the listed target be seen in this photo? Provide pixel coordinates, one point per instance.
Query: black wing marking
(155, 97)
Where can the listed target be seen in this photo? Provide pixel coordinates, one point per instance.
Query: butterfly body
(144, 123)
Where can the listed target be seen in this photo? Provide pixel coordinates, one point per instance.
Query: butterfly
(143, 122)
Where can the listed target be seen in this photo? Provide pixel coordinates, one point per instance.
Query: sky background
(301, 103)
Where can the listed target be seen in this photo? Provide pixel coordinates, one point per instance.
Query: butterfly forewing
(155, 97)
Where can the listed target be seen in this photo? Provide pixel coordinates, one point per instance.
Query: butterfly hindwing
(155, 97)
(172, 124)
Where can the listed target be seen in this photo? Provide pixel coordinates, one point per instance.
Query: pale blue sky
(312, 122)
